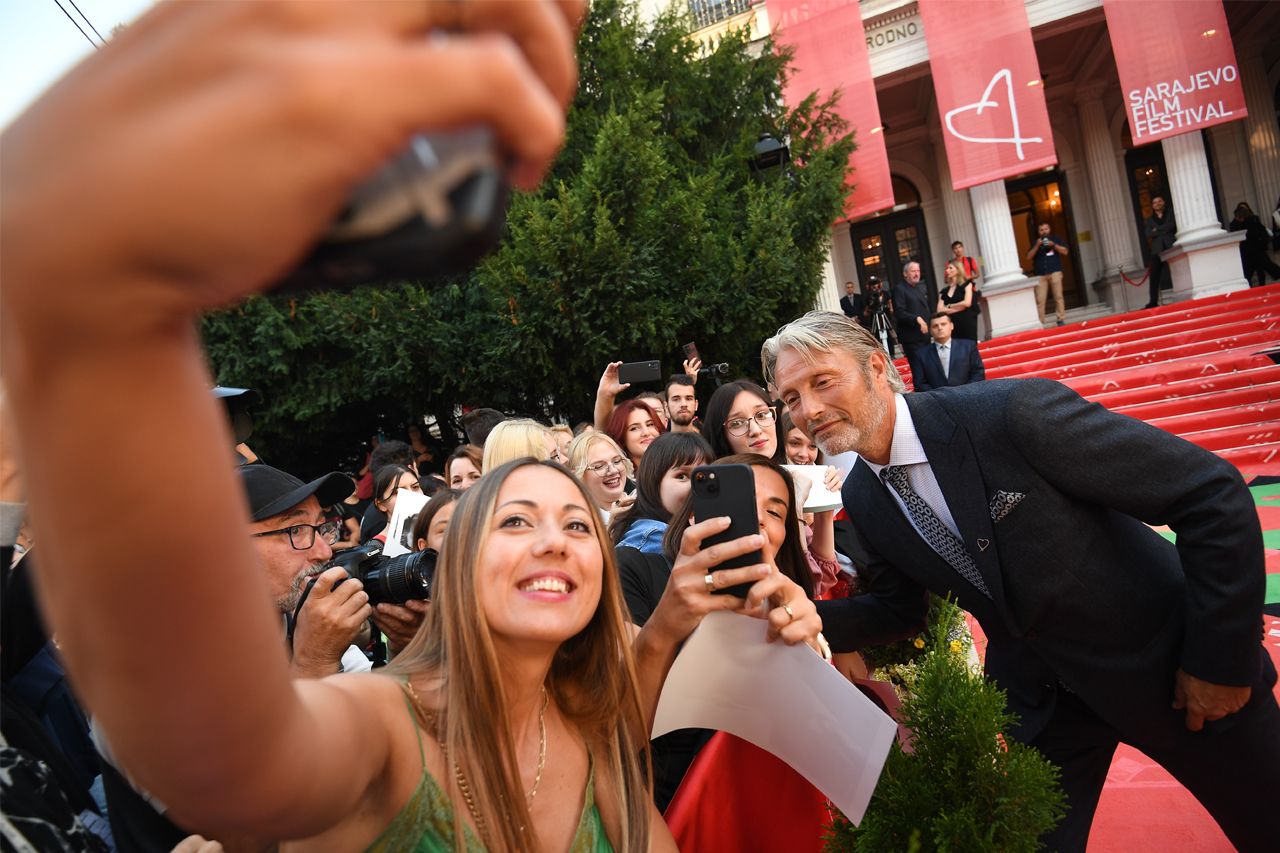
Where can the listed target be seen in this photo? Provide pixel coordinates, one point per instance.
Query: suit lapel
(956, 468)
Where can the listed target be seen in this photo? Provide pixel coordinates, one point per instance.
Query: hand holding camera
(328, 621)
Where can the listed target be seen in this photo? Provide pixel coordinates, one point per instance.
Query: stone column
(1260, 130)
(1206, 259)
(1011, 296)
(1111, 205)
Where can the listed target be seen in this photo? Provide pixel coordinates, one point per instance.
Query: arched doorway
(882, 245)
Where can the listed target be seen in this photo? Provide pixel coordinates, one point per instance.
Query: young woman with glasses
(603, 468)
(741, 419)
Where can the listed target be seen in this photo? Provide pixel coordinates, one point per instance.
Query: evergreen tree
(650, 231)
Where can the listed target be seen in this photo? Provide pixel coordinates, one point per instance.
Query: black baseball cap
(271, 491)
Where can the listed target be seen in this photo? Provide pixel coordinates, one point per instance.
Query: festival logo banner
(831, 54)
(1177, 66)
(990, 96)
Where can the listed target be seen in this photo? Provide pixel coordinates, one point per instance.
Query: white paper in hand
(408, 505)
(784, 699)
(820, 499)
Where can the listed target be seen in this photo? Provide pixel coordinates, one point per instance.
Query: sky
(38, 44)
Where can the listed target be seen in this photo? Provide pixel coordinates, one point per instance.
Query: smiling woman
(527, 624)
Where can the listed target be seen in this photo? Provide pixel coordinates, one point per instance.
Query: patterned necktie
(940, 539)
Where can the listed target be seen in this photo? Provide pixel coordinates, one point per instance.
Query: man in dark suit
(1162, 230)
(1027, 504)
(851, 303)
(912, 311)
(948, 361)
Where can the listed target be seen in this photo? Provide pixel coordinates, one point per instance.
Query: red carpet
(1201, 370)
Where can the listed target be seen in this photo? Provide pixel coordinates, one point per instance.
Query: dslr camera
(390, 580)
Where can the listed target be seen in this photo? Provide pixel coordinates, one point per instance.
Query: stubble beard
(289, 602)
(682, 420)
(850, 435)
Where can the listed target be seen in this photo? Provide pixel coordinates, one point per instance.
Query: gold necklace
(461, 779)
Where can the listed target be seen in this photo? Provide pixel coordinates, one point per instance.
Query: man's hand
(400, 623)
(331, 617)
(924, 327)
(1204, 701)
(691, 367)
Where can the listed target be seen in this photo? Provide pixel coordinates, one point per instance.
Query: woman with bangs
(741, 419)
(387, 485)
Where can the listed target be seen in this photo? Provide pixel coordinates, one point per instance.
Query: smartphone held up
(728, 490)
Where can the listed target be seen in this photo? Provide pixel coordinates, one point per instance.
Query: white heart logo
(985, 101)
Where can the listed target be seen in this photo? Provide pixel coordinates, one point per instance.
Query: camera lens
(395, 580)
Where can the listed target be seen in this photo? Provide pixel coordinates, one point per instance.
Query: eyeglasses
(598, 468)
(303, 536)
(740, 426)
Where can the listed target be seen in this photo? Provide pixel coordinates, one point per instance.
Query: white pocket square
(1002, 503)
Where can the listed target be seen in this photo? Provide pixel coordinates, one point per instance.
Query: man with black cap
(292, 535)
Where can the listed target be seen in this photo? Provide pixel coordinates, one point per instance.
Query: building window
(707, 12)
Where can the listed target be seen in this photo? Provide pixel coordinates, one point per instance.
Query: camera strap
(291, 619)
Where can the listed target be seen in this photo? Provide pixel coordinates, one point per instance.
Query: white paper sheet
(784, 699)
(819, 499)
(408, 505)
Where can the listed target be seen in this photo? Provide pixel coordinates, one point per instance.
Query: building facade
(1097, 195)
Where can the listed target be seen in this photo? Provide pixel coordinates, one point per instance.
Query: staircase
(1206, 370)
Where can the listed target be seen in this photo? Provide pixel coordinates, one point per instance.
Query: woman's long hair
(790, 558)
(592, 679)
(617, 425)
(669, 450)
(718, 408)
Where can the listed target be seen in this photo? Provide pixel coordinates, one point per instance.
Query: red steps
(1145, 339)
(1198, 369)
(1201, 419)
(1207, 366)
(1185, 378)
(1245, 395)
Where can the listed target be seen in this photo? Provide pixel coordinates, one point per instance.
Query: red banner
(990, 96)
(830, 54)
(1177, 66)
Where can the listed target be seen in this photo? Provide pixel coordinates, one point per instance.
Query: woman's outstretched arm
(187, 164)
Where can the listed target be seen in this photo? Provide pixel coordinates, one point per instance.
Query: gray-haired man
(1099, 629)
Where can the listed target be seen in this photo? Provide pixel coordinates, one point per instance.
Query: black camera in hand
(433, 211)
(390, 580)
(718, 369)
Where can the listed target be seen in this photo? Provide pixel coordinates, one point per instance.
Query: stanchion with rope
(1145, 275)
